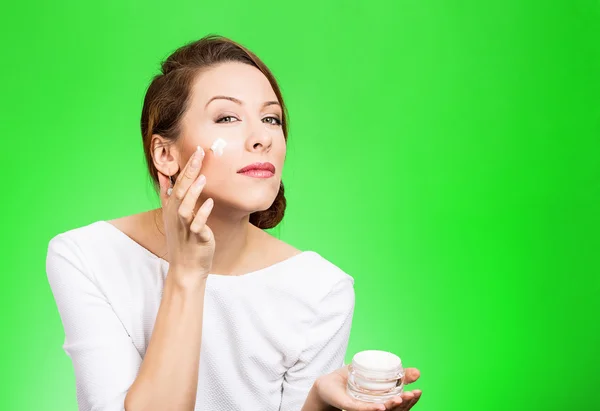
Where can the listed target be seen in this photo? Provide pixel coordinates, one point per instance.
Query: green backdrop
(446, 154)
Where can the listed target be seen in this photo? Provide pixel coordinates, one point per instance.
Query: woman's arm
(105, 360)
(168, 378)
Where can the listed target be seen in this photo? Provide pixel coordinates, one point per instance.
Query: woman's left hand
(331, 389)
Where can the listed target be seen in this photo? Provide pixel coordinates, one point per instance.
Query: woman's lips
(258, 170)
(258, 173)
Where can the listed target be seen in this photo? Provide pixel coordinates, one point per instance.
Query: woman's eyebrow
(271, 103)
(235, 100)
(238, 101)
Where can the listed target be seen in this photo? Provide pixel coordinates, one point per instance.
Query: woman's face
(236, 103)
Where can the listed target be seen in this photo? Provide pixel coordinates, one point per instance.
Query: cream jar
(375, 376)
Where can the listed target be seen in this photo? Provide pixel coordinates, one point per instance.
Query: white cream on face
(218, 146)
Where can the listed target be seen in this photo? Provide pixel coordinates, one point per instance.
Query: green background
(446, 154)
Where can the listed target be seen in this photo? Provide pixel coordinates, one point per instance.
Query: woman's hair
(169, 95)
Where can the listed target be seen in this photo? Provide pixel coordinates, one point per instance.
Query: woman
(192, 305)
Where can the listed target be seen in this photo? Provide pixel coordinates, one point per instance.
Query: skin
(209, 212)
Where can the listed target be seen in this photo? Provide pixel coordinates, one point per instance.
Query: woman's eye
(273, 120)
(226, 119)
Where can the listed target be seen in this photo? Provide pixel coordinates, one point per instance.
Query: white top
(266, 336)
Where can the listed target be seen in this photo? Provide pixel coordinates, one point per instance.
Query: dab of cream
(218, 146)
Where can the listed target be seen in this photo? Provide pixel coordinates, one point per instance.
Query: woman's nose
(259, 139)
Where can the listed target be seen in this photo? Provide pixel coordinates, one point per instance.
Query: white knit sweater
(267, 335)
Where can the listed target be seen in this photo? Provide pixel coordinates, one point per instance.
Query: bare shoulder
(285, 249)
(274, 248)
(126, 224)
(130, 223)
(140, 228)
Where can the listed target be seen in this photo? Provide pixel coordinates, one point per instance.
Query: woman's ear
(165, 155)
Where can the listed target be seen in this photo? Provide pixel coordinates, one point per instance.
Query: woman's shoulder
(103, 254)
(76, 236)
(307, 271)
(91, 231)
(98, 240)
(310, 262)
(70, 253)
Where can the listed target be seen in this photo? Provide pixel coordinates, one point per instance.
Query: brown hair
(169, 93)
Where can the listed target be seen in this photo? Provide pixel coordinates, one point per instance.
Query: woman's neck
(234, 239)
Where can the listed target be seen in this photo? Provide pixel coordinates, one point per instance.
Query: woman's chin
(246, 205)
(253, 207)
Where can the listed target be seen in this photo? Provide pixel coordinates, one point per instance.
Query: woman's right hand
(190, 242)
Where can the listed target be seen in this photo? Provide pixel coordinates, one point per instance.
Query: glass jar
(375, 376)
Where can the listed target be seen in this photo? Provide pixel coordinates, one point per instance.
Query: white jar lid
(378, 361)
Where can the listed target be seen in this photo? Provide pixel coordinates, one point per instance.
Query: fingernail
(196, 157)
(208, 204)
(201, 180)
(199, 149)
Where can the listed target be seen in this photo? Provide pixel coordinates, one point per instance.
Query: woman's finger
(187, 206)
(407, 398)
(393, 403)
(199, 226)
(416, 396)
(188, 175)
(411, 375)
(403, 402)
(408, 404)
